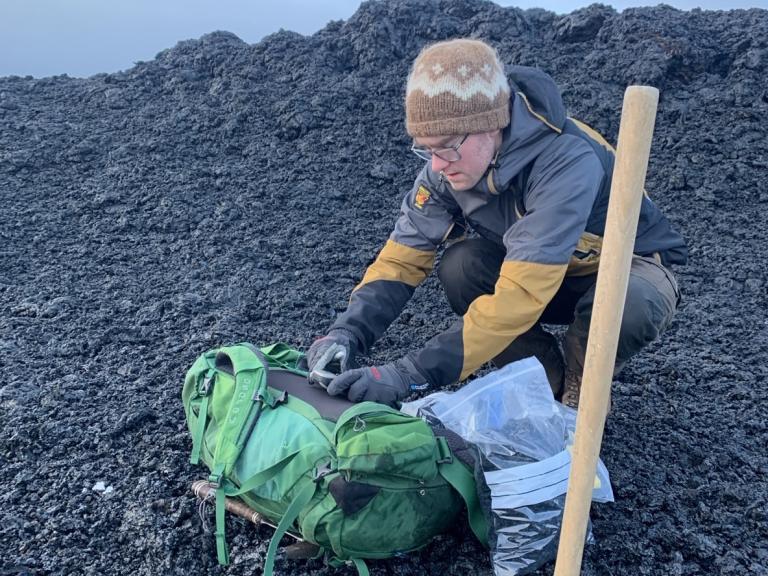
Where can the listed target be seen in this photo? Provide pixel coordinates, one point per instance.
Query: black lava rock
(225, 192)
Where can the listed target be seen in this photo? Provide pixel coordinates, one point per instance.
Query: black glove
(387, 384)
(334, 352)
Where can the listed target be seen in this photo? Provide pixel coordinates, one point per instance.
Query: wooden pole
(300, 550)
(635, 133)
(206, 491)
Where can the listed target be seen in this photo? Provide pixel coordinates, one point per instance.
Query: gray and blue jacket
(544, 200)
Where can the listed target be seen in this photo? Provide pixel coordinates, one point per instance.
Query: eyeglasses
(449, 154)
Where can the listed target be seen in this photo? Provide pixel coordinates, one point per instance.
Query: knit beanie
(456, 87)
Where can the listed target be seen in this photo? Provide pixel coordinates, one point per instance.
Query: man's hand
(386, 384)
(334, 352)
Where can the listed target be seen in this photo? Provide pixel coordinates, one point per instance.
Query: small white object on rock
(99, 487)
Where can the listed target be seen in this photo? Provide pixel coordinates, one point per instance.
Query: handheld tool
(328, 366)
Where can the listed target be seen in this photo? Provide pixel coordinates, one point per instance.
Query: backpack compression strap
(462, 480)
(228, 489)
(300, 501)
(291, 513)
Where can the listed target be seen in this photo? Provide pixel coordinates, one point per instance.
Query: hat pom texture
(456, 87)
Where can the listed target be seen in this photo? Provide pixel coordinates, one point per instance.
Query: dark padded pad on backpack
(330, 407)
(224, 363)
(351, 497)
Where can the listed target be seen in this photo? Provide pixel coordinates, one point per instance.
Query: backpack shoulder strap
(203, 373)
(462, 480)
(250, 373)
(249, 367)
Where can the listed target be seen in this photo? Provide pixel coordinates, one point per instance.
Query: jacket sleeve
(562, 187)
(405, 261)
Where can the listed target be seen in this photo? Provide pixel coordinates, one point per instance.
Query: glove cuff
(355, 333)
(416, 378)
(354, 341)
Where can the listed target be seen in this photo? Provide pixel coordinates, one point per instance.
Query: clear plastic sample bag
(522, 436)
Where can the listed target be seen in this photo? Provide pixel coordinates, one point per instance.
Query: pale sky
(85, 37)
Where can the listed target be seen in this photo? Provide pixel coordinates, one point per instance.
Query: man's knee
(649, 308)
(453, 263)
(467, 270)
(642, 323)
(468, 258)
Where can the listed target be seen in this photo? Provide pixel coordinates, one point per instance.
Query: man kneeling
(519, 192)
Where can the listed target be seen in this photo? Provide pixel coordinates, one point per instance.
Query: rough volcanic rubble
(226, 191)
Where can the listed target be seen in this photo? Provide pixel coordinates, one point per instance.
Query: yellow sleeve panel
(493, 321)
(399, 263)
(586, 258)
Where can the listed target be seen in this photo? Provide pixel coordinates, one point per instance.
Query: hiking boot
(541, 344)
(571, 389)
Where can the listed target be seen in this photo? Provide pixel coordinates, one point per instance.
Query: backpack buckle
(205, 389)
(281, 399)
(322, 471)
(271, 400)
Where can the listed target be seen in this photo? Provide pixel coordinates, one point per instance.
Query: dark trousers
(470, 268)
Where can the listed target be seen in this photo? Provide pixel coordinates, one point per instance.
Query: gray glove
(386, 384)
(334, 352)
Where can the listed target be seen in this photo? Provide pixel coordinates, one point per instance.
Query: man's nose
(438, 164)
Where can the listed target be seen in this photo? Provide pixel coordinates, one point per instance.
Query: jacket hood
(537, 116)
(541, 91)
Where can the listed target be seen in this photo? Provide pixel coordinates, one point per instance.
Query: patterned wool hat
(456, 87)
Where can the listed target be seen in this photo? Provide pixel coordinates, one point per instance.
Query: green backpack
(358, 480)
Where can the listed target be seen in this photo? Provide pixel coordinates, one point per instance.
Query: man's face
(477, 152)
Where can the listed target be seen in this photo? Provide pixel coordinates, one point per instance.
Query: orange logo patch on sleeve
(422, 195)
